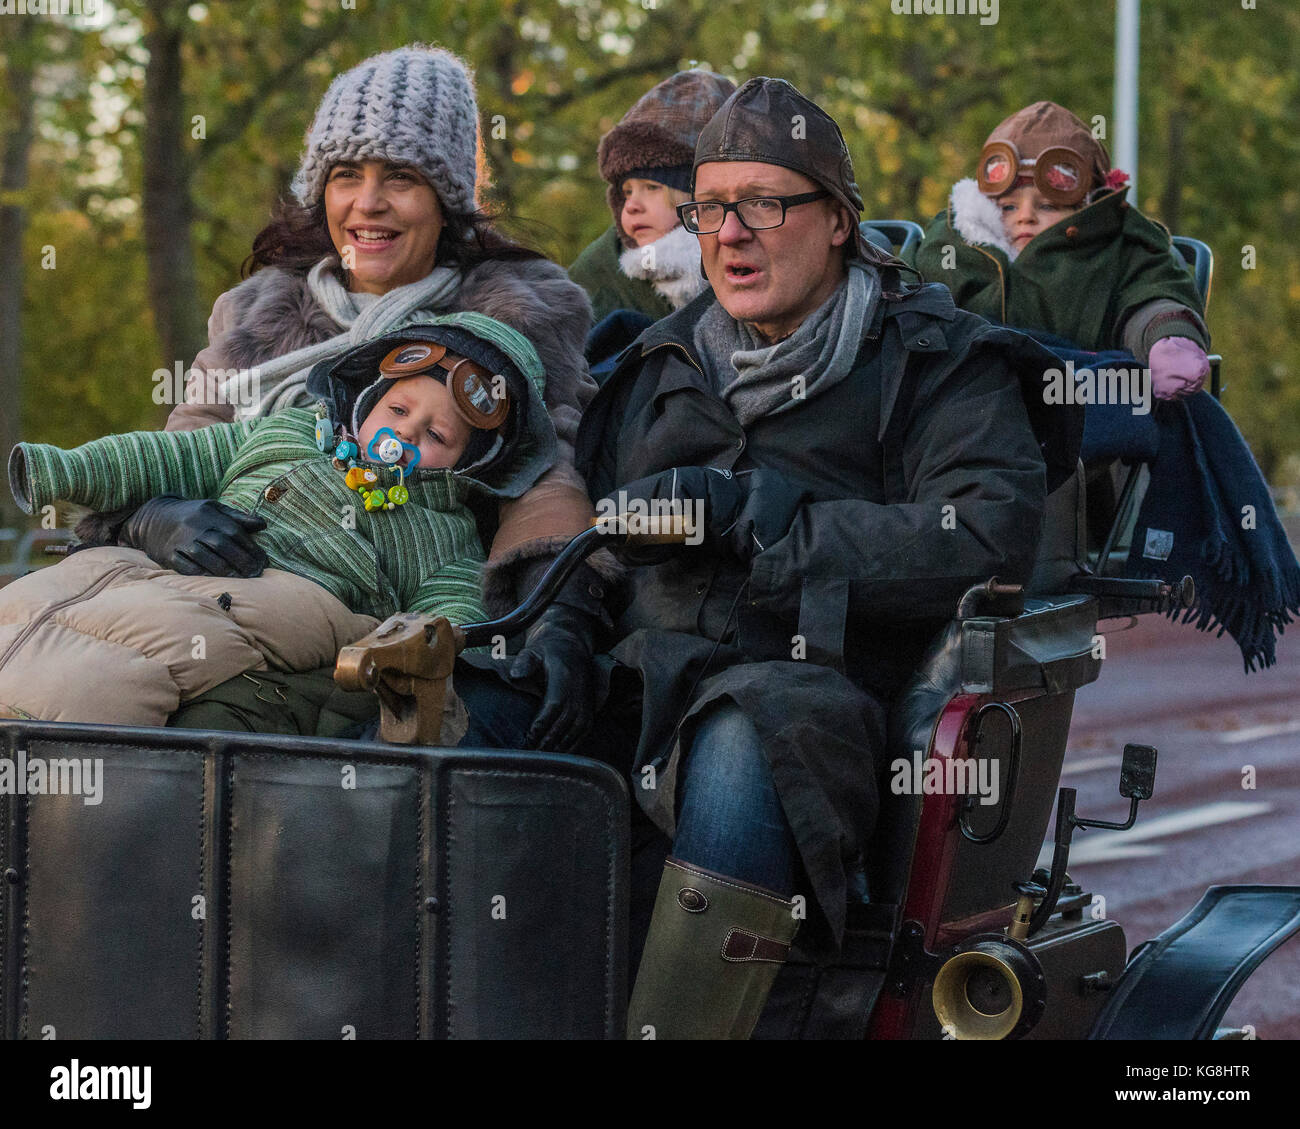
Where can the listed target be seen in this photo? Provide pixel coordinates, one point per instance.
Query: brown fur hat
(659, 131)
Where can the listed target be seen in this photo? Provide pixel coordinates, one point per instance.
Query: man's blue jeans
(729, 815)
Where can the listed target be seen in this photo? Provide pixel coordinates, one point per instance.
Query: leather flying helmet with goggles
(1059, 173)
(1048, 146)
(480, 398)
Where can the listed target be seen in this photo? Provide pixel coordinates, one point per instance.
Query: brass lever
(406, 661)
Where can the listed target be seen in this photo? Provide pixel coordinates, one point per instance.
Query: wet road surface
(1226, 807)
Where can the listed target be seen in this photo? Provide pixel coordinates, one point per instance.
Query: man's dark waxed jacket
(928, 466)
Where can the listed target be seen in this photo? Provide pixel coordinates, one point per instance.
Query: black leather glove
(558, 653)
(765, 516)
(195, 538)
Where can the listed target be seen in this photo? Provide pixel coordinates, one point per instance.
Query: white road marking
(1258, 732)
(1111, 846)
(1090, 764)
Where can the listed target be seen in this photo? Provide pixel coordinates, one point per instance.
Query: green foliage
(915, 96)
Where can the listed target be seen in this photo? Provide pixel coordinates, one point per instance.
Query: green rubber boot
(714, 949)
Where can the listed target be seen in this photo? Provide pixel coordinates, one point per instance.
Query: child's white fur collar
(671, 263)
(978, 219)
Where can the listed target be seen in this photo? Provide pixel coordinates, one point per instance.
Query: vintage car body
(245, 886)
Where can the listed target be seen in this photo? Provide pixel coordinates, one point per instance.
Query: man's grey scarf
(756, 379)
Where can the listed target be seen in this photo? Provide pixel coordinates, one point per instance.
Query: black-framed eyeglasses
(758, 213)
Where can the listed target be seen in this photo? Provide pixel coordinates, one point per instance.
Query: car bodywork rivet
(692, 901)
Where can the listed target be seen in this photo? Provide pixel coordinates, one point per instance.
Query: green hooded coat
(597, 271)
(1083, 278)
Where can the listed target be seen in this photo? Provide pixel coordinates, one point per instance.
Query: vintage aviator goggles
(1059, 173)
(758, 213)
(471, 385)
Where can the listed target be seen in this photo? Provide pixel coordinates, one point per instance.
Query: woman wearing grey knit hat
(384, 231)
(647, 261)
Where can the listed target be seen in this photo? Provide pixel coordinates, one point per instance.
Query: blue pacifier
(386, 448)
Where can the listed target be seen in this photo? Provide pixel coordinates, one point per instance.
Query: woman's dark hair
(297, 238)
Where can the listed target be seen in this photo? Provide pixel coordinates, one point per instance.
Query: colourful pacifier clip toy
(385, 448)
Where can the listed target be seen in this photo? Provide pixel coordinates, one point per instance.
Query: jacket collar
(678, 328)
(919, 314)
(1100, 222)
(974, 217)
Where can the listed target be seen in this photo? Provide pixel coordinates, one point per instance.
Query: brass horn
(991, 988)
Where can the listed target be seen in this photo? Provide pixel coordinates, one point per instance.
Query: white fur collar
(671, 263)
(977, 218)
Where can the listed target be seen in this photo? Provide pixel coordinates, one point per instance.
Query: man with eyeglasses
(852, 452)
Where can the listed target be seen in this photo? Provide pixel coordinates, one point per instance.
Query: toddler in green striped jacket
(365, 500)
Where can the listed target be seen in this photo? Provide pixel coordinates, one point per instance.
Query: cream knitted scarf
(282, 381)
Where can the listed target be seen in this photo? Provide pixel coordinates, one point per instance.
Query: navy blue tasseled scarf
(1231, 543)
(1207, 514)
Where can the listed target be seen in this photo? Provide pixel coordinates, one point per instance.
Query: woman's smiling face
(385, 221)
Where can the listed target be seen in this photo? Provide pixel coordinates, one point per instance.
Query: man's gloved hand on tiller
(744, 513)
(195, 538)
(557, 656)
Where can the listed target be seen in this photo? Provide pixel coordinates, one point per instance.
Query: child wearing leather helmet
(1042, 238)
(648, 262)
(359, 508)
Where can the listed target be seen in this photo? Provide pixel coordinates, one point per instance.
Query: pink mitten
(1179, 367)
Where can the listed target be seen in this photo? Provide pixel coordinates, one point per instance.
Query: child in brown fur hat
(647, 261)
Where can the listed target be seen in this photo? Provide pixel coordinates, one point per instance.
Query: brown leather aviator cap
(768, 120)
(471, 385)
(1044, 139)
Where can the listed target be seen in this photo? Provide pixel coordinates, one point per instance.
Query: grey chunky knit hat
(414, 106)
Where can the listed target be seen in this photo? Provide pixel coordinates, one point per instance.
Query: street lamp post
(1125, 151)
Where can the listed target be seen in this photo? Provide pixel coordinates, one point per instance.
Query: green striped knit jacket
(424, 556)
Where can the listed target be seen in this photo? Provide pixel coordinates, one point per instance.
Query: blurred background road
(1186, 693)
